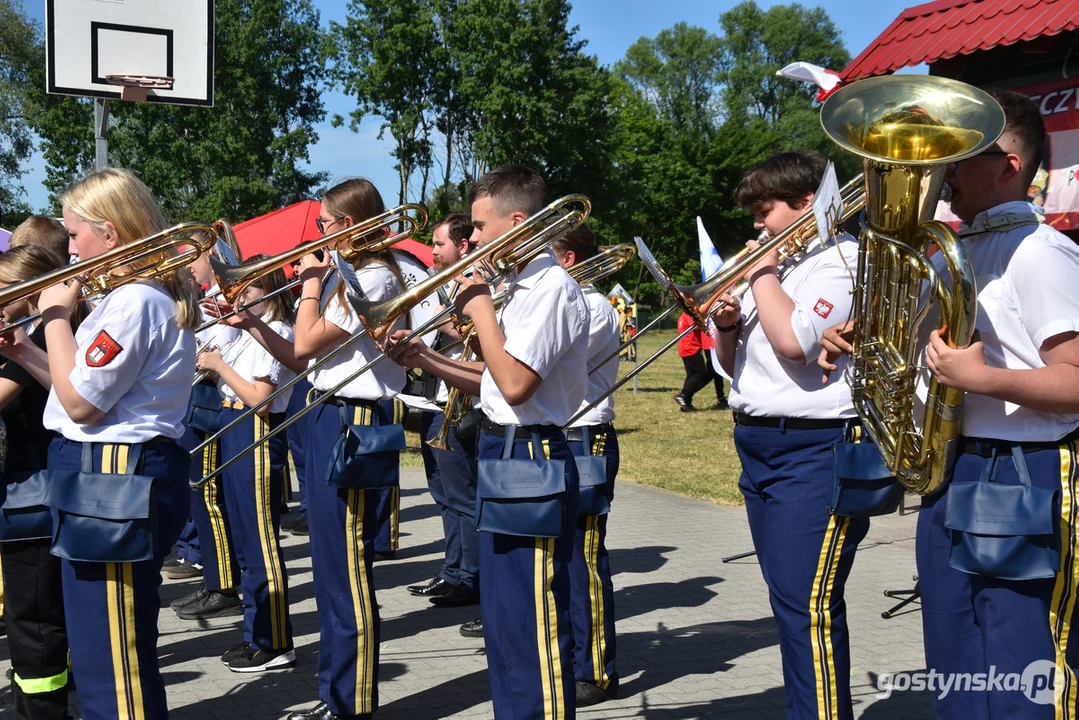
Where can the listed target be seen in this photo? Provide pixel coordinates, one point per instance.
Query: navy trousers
(297, 436)
(253, 488)
(972, 624)
(343, 525)
(388, 512)
(591, 588)
(453, 487)
(111, 608)
(525, 600)
(188, 546)
(220, 566)
(805, 554)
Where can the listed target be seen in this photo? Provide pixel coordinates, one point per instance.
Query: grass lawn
(687, 453)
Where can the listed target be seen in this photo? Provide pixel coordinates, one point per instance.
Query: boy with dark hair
(786, 424)
(532, 380)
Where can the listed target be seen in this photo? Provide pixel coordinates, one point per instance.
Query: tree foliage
(20, 52)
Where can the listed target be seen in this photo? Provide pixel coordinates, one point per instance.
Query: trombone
(702, 300)
(516, 246)
(607, 261)
(113, 269)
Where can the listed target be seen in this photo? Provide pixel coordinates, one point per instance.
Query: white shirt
(134, 364)
(387, 378)
(545, 321)
(219, 335)
(1027, 279)
(250, 360)
(765, 384)
(604, 337)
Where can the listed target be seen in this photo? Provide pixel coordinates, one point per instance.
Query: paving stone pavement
(695, 636)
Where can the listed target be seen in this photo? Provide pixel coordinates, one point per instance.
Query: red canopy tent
(284, 229)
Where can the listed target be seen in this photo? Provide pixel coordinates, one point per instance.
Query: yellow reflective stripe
(820, 616)
(120, 595)
(595, 595)
(361, 602)
(1064, 589)
(36, 686)
(550, 662)
(267, 539)
(211, 496)
(395, 518)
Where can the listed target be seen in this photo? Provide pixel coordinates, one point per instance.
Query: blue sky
(609, 26)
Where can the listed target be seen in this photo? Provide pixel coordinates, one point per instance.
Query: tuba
(908, 129)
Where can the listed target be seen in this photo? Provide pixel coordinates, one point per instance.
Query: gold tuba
(908, 129)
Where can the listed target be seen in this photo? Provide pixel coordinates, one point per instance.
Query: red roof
(946, 28)
(284, 229)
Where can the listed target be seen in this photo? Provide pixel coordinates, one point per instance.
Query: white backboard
(89, 39)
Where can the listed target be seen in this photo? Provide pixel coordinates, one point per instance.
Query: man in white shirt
(786, 424)
(1021, 378)
(452, 475)
(591, 587)
(532, 380)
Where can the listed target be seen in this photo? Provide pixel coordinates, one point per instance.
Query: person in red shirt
(699, 370)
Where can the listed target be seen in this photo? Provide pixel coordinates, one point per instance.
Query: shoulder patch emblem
(823, 308)
(103, 350)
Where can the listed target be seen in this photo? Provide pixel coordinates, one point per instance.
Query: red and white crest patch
(103, 350)
(823, 308)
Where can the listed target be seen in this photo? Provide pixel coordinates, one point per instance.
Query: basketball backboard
(88, 40)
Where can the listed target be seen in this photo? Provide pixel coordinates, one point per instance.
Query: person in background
(698, 363)
(40, 230)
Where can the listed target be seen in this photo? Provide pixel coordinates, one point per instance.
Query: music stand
(908, 597)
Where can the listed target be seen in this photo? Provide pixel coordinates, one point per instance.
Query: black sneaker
(722, 405)
(590, 694)
(184, 570)
(170, 562)
(215, 604)
(186, 600)
(300, 526)
(680, 399)
(234, 652)
(473, 628)
(253, 660)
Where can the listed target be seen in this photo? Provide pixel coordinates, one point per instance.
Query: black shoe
(252, 660)
(460, 595)
(680, 399)
(688, 408)
(184, 570)
(322, 712)
(170, 562)
(300, 526)
(473, 628)
(589, 694)
(437, 586)
(388, 555)
(186, 600)
(722, 405)
(234, 652)
(215, 604)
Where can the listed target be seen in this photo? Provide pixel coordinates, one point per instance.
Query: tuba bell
(908, 129)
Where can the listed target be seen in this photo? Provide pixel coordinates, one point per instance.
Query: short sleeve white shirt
(766, 384)
(252, 361)
(604, 336)
(134, 364)
(219, 335)
(387, 378)
(1027, 279)
(545, 321)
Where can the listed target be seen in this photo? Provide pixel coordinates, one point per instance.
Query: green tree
(243, 157)
(21, 50)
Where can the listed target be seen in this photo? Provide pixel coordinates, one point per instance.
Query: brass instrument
(142, 259)
(368, 236)
(607, 261)
(512, 248)
(908, 129)
(518, 245)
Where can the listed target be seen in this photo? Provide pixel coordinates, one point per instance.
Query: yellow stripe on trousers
(361, 603)
(595, 596)
(211, 496)
(1064, 590)
(820, 616)
(267, 538)
(550, 660)
(120, 599)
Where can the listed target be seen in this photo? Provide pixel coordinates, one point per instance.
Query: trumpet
(702, 300)
(518, 245)
(607, 261)
(121, 266)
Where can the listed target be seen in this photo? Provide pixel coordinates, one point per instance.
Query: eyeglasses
(321, 224)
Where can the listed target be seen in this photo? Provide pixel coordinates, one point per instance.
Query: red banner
(1056, 186)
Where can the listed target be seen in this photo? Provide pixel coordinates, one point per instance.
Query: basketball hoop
(134, 88)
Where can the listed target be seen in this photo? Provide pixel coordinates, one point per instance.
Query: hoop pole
(101, 133)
